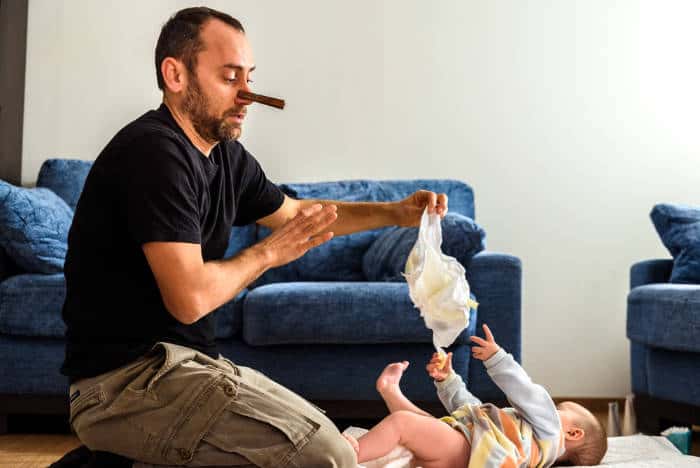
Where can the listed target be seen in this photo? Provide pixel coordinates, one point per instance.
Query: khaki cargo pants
(176, 406)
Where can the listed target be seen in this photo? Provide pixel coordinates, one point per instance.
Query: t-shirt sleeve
(259, 197)
(160, 194)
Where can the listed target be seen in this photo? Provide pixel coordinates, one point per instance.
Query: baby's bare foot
(391, 376)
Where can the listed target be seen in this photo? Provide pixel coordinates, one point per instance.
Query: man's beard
(211, 128)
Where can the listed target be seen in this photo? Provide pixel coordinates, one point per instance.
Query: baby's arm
(531, 400)
(451, 389)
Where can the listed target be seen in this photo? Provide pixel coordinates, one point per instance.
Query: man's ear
(174, 75)
(575, 434)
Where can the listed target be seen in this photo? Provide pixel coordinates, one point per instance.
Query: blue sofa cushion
(679, 229)
(385, 260)
(35, 224)
(335, 313)
(65, 177)
(340, 259)
(30, 305)
(665, 316)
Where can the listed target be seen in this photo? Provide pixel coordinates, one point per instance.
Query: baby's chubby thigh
(433, 443)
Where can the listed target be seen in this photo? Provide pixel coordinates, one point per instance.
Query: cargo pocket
(264, 428)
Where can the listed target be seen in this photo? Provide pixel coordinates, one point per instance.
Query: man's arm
(362, 216)
(192, 288)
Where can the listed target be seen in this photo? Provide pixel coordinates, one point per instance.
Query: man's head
(202, 60)
(584, 436)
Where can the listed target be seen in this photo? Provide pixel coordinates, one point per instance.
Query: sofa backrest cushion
(35, 224)
(679, 229)
(385, 260)
(340, 259)
(65, 177)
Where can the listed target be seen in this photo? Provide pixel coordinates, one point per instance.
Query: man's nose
(241, 101)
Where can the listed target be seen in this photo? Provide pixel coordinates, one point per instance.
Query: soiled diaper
(437, 284)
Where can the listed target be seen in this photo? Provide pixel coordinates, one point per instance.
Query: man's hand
(438, 368)
(486, 347)
(298, 235)
(411, 208)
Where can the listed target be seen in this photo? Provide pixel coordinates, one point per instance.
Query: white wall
(569, 118)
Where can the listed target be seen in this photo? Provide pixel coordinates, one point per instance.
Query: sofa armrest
(496, 281)
(650, 271)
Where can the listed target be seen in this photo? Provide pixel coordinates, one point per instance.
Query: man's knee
(326, 448)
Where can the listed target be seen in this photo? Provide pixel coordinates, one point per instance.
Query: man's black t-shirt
(150, 184)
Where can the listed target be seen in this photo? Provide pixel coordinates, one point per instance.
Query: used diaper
(437, 284)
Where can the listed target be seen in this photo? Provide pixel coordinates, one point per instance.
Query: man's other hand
(303, 232)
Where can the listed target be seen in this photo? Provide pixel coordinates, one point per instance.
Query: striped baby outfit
(527, 435)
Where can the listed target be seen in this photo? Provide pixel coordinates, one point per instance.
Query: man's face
(223, 68)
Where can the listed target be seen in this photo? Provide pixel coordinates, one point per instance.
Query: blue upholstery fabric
(674, 376)
(30, 305)
(35, 224)
(340, 259)
(496, 281)
(650, 271)
(665, 316)
(64, 177)
(229, 317)
(31, 366)
(663, 325)
(679, 229)
(335, 313)
(241, 238)
(7, 266)
(385, 260)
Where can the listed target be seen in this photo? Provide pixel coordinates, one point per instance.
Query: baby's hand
(439, 368)
(486, 348)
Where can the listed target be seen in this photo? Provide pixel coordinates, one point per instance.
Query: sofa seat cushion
(665, 316)
(30, 305)
(335, 313)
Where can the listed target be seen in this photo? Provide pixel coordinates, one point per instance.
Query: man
(145, 269)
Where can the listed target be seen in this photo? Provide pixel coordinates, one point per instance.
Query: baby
(533, 433)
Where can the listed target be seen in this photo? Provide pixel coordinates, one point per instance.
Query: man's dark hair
(180, 39)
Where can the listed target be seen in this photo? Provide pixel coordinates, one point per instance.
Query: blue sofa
(316, 325)
(663, 325)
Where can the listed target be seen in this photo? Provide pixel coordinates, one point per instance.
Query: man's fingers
(442, 204)
(431, 202)
(315, 241)
(309, 210)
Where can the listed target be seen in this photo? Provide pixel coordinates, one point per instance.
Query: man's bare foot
(391, 376)
(353, 442)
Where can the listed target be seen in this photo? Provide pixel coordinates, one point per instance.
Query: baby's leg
(432, 442)
(388, 388)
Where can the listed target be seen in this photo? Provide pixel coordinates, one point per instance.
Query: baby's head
(584, 436)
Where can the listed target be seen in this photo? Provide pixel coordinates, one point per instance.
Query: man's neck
(185, 124)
